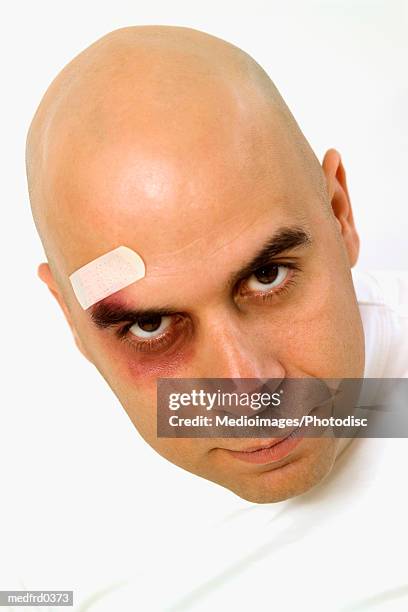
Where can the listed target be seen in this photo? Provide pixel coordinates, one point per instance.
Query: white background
(81, 493)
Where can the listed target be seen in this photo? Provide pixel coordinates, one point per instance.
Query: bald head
(163, 93)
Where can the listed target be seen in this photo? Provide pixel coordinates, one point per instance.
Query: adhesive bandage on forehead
(106, 274)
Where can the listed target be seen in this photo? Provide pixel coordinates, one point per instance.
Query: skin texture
(178, 145)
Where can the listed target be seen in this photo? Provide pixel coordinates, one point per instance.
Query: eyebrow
(285, 239)
(109, 312)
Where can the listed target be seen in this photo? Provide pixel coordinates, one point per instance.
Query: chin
(296, 477)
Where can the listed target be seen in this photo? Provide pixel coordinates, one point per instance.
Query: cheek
(188, 453)
(133, 378)
(320, 335)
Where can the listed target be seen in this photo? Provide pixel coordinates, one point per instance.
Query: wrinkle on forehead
(207, 246)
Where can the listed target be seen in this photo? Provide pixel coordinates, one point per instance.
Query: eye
(150, 326)
(268, 277)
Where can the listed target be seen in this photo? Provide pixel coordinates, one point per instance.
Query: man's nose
(231, 352)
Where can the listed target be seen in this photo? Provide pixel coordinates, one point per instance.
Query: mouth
(269, 452)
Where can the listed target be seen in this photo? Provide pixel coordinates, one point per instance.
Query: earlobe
(340, 202)
(45, 274)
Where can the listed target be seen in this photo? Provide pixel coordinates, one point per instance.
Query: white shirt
(383, 303)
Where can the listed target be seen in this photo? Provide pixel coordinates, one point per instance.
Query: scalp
(156, 87)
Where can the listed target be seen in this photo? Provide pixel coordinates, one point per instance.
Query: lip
(275, 451)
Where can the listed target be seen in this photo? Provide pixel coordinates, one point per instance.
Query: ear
(340, 202)
(45, 274)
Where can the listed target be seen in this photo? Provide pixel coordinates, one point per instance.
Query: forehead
(179, 201)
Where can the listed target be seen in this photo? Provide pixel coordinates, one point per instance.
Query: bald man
(177, 145)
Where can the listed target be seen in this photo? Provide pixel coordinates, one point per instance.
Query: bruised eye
(267, 278)
(150, 326)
